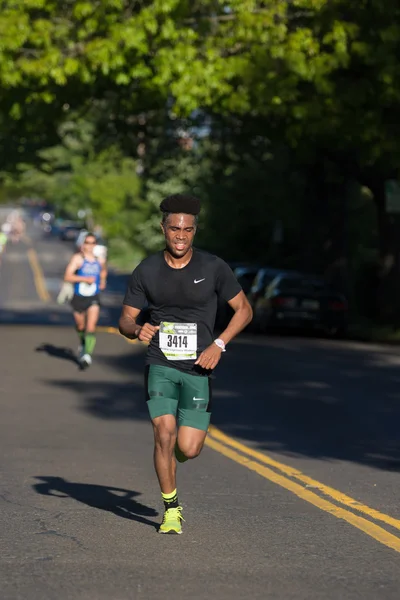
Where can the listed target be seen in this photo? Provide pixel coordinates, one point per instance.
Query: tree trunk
(336, 271)
(388, 292)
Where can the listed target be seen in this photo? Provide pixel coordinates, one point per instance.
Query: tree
(73, 177)
(320, 77)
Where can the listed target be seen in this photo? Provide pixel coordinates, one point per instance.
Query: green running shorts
(173, 392)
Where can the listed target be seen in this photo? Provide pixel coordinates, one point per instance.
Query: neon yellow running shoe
(172, 521)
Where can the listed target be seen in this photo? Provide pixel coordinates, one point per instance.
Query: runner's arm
(242, 317)
(211, 356)
(127, 322)
(103, 274)
(131, 330)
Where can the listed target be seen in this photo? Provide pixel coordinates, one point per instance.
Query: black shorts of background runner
(80, 304)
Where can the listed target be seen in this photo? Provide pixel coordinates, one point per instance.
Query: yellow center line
(296, 474)
(374, 531)
(38, 277)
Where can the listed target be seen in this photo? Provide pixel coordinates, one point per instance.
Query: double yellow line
(38, 276)
(297, 482)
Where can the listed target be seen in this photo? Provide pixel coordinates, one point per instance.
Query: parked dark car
(262, 278)
(296, 300)
(70, 232)
(245, 274)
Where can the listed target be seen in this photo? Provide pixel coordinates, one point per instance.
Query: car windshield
(300, 283)
(245, 280)
(266, 279)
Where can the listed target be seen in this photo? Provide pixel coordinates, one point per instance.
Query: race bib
(87, 289)
(178, 341)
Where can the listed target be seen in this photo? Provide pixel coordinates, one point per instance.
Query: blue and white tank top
(88, 269)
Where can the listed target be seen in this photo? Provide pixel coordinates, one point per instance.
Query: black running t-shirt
(188, 295)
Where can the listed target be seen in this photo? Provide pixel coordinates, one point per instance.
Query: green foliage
(310, 65)
(172, 175)
(198, 52)
(304, 99)
(124, 255)
(71, 176)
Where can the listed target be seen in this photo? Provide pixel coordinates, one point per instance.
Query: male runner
(89, 275)
(180, 288)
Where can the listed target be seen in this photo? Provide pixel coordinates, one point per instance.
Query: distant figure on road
(180, 287)
(4, 231)
(89, 275)
(3, 240)
(17, 226)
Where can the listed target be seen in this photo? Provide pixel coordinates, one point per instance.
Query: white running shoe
(86, 360)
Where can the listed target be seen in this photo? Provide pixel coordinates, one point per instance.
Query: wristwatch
(220, 343)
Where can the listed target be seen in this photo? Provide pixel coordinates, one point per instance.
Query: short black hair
(166, 215)
(181, 203)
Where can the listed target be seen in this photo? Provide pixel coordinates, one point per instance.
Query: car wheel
(264, 324)
(338, 333)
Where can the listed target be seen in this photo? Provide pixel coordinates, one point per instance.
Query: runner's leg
(162, 386)
(194, 414)
(79, 318)
(165, 465)
(190, 441)
(164, 428)
(162, 392)
(92, 317)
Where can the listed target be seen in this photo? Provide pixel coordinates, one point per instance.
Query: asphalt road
(295, 496)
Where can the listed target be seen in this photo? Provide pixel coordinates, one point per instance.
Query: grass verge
(366, 331)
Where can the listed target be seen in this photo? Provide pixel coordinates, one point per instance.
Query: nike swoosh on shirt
(198, 280)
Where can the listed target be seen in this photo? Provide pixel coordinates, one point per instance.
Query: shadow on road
(118, 501)
(292, 396)
(296, 397)
(118, 396)
(318, 399)
(58, 352)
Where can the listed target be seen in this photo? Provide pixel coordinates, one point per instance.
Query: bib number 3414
(178, 341)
